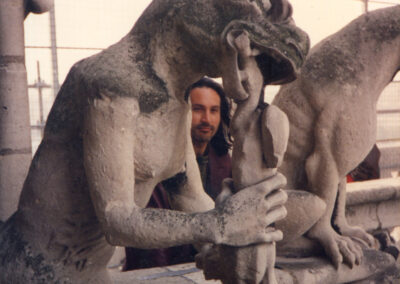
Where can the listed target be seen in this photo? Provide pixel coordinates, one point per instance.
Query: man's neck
(200, 148)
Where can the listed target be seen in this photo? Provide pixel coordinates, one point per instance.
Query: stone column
(15, 132)
(15, 136)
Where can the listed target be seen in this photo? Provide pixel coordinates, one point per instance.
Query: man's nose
(205, 117)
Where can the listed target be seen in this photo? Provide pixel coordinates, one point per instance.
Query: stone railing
(389, 162)
(374, 204)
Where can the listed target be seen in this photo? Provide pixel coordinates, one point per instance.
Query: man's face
(206, 113)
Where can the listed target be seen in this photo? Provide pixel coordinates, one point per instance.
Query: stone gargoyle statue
(120, 125)
(332, 112)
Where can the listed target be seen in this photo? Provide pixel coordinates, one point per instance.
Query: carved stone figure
(332, 113)
(120, 125)
(260, 139)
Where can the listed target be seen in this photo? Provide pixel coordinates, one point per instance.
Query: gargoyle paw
(359, 235)
(340, 249)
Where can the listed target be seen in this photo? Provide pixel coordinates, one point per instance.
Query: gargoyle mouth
(277, 67)
(281, 48)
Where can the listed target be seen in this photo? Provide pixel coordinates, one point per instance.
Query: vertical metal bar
(41, 116)
(54, 56)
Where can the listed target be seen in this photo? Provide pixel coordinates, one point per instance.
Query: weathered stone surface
(179, 274)
(374, 204)
(377, 190)
(319, 270)
(288, 271)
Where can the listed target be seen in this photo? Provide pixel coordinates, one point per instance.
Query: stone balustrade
(374, 204)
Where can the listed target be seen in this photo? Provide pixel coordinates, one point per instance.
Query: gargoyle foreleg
(340, 222)
(323, 181)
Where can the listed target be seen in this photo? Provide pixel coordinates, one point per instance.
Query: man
(209, 132)
(211, 142)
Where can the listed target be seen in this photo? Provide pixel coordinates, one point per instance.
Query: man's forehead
(204, 96)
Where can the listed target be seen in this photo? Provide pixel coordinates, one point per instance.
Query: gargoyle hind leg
(340, 222)
(323, 181)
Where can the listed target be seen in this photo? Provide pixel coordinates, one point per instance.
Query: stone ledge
(180, 274)
(320, 270)
(374, 204)
(373, 191)
(289, 271)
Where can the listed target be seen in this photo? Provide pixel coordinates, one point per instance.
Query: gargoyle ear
(280, 11)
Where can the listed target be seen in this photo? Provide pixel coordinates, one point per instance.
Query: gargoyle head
(197, 36)
(281, 46)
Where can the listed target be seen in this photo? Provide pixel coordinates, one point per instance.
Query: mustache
(205, 124)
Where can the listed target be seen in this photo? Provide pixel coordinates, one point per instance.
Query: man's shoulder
(220, 162)
(213, 155)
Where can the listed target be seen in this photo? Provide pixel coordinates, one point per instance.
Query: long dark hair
(222, 140)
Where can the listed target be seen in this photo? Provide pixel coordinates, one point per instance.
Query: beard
(200, 136)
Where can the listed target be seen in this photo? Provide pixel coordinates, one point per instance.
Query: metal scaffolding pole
(40, 85)
(54, 58)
